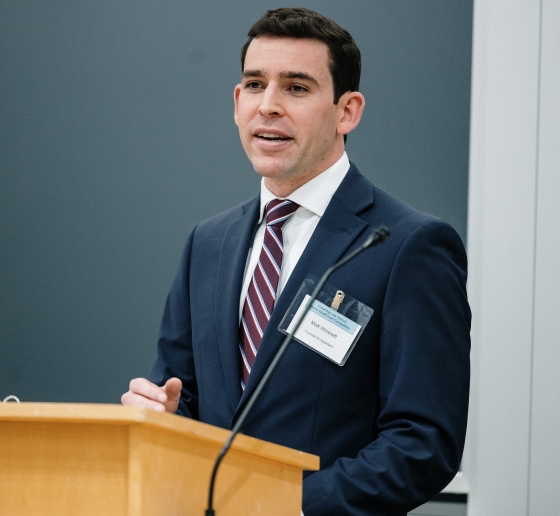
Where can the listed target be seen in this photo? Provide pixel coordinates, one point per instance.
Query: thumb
(173, 388)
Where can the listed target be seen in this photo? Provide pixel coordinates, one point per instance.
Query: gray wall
(117, 136)
(511, 460)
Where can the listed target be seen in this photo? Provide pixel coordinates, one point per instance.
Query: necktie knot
(278, 211)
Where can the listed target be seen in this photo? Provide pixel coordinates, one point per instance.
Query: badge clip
(337, 299)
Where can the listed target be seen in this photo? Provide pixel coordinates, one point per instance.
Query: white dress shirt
(313, 198)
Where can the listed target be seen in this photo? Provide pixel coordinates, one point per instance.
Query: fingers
(135, 400)
(147, 389)
(145, 394)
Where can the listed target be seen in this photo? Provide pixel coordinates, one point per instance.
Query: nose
(271, 103)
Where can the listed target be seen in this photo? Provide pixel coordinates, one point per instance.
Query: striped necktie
(261, 294)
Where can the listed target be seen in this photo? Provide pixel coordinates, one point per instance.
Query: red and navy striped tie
(261, 294)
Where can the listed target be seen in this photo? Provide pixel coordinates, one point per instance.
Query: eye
(298, 88)
(252, 85)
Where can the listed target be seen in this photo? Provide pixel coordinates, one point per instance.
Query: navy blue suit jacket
(389, 425)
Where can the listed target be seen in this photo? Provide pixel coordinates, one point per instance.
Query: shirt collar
(315, 195)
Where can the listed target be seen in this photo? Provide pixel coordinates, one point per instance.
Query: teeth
(271, 136)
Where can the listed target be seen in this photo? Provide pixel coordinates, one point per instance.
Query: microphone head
(377, 236)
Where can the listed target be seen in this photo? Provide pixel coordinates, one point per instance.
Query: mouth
(271, 137)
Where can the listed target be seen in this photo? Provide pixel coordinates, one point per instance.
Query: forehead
(275, 55)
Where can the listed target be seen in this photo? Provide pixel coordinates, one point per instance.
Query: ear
(236, 92)
(351, 106)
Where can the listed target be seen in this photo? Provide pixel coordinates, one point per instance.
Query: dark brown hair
(297, 22)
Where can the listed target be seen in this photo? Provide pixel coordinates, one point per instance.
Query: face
(288, 124)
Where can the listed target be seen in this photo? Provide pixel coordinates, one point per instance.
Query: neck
(282, 187)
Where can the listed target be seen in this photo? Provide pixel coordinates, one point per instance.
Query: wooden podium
(110, 460)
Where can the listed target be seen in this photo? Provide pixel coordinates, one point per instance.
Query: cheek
(323, 122)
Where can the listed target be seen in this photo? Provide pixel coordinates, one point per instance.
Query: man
(389, 425)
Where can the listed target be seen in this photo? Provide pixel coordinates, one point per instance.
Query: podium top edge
(127, 416)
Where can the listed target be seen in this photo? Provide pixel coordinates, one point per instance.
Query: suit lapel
(235, 247)
(338, 229)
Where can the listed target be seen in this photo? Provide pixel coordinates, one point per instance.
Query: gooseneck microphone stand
(377, 236)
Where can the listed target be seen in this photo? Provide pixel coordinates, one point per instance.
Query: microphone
(376, 237)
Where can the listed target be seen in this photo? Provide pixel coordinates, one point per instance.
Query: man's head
(292, 118)
(345, 59)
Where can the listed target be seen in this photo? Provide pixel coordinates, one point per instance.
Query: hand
(143, 393)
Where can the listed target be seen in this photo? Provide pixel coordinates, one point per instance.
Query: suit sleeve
(423, 386)
(174, 351)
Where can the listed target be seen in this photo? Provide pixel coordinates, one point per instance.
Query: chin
(271, 167)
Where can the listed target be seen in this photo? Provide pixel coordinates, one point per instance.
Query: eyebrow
(252, 73)
(299, 75)
(283, 75)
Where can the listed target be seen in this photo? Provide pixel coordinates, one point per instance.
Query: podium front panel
(104, 460)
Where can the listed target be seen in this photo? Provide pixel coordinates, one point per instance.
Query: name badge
(331, 331)
(325, 330)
